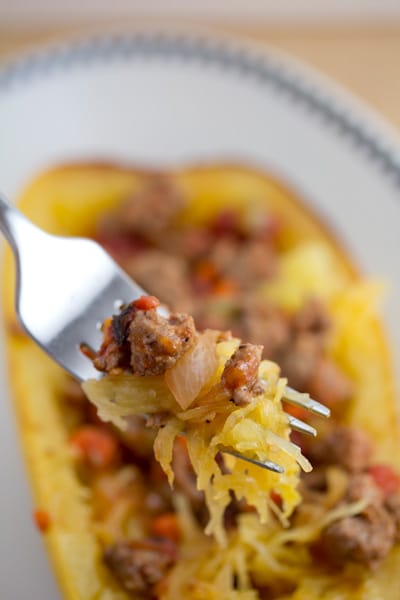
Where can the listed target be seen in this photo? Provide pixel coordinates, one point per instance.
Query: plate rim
(335, 106)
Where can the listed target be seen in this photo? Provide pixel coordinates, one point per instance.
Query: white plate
(171, 98)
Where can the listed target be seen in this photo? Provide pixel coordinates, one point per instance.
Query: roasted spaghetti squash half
(237, 250)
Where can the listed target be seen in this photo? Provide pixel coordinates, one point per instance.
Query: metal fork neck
(13, 224)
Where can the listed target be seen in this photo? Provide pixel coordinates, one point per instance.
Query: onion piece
(196, 367)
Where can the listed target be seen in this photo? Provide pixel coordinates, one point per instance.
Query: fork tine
(304, 400)
(301, 426)
(268, 464)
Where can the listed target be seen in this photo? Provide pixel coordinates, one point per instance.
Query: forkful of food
(135, 358)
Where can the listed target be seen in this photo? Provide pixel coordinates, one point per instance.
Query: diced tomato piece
(206, 270)
(204, 276)
(385, 478)
(42, 519)
(166, 526)
(224, 287)
(95, 446)
(146, 303)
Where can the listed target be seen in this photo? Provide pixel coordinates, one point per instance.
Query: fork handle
(13, 224)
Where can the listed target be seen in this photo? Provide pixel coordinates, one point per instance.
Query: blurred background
(356, 42)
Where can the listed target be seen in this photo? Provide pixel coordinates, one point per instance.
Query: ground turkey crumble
(144, 341)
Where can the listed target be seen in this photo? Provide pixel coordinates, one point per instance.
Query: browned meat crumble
(139, 566)
(144, 341)
(240, 375)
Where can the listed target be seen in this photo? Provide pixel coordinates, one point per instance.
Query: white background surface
(160, 112)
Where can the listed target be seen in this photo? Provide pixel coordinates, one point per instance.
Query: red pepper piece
(95, 446)
(386, 478)
(42, 519)
(146, 303)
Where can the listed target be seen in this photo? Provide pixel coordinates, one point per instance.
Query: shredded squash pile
(210, 424)
(263, 554)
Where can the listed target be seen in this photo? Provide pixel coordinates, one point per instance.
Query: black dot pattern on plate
(266, 69)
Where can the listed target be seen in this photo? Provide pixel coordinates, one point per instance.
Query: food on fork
(235, 249)
(213, 390)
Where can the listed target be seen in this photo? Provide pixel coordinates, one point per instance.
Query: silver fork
(65, 289)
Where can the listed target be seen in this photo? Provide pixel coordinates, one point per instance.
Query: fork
(67, 286)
